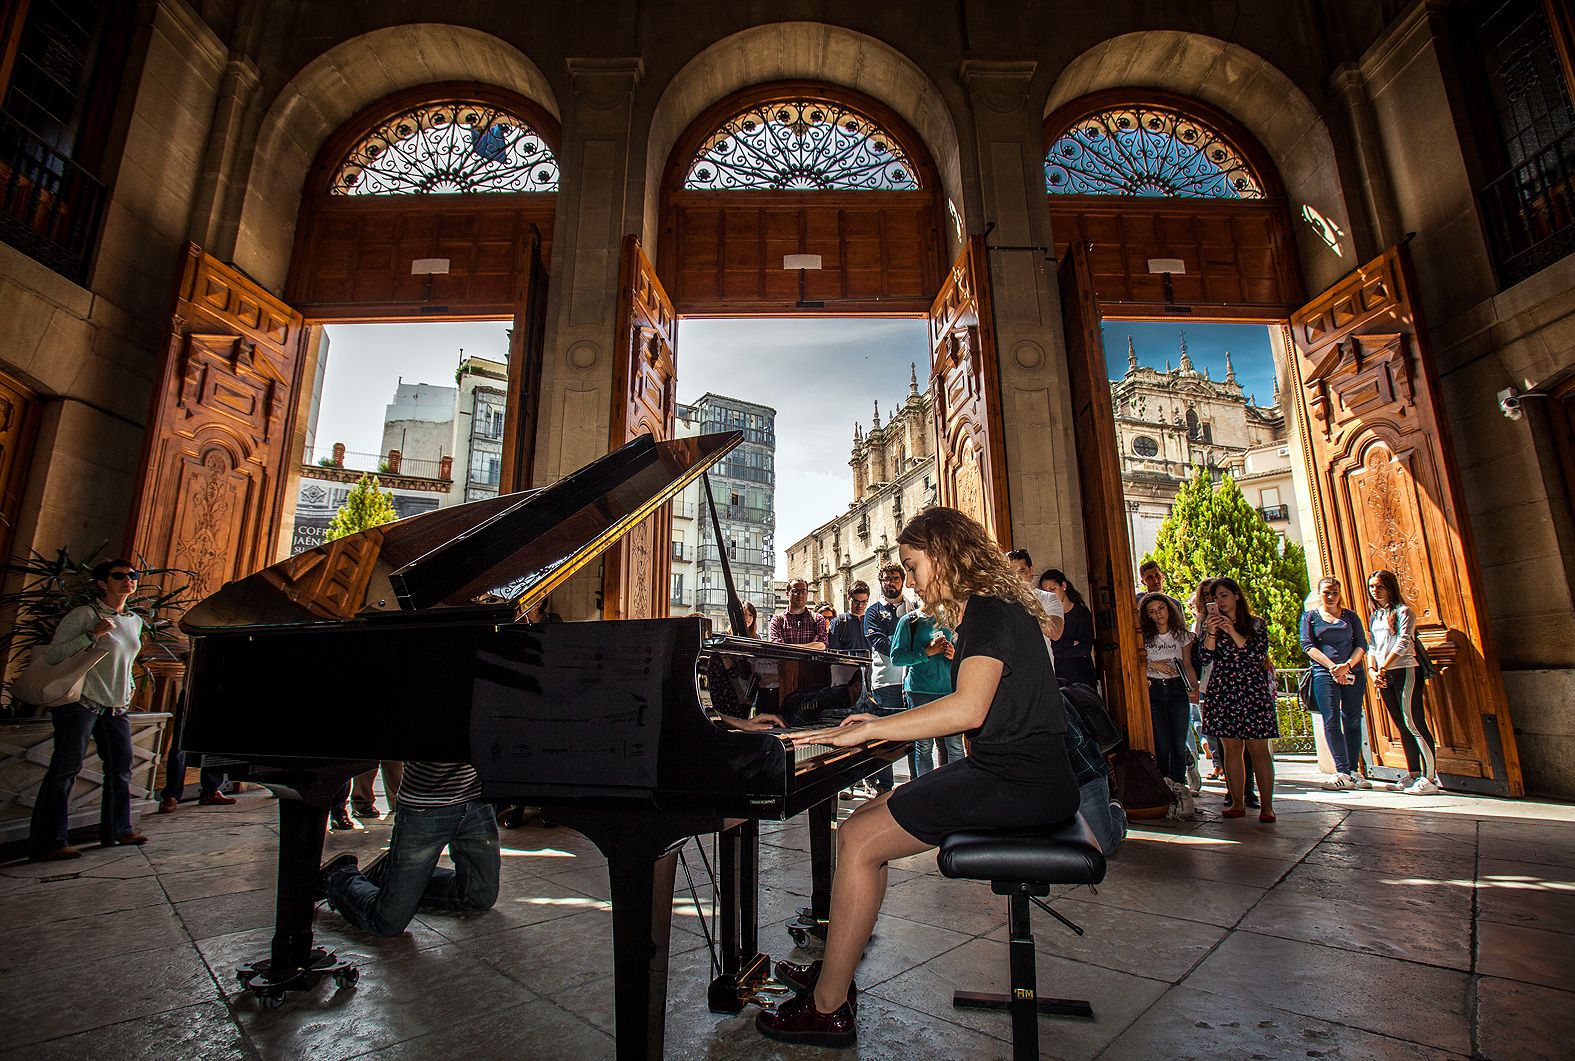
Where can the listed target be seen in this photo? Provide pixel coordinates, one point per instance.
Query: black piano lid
(504, 554)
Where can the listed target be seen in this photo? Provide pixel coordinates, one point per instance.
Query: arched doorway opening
(1168, 210)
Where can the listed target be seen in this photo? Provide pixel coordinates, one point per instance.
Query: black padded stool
(1024, 866)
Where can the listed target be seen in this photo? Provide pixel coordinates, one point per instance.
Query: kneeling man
(439, 806)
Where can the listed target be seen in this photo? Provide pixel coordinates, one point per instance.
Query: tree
(1213, 532)
(365, 508)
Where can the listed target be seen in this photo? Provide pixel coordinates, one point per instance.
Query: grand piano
(416, 641)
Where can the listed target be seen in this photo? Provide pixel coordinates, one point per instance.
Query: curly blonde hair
(967, 563)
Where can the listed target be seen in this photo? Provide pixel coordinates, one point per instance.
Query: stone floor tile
(220, 915)
(1414, 820)
(539, 1030)
(1192, 1025)
(1519, 952)
(80, 941)
(203, 1031)
(1231, 865)
(960, 905)
(226, 954)
(1526, 893)
(44, 1004)
(225, 880)
(983, 965)
(1447, 897)
(1405, 839)
(552, 957)
(1216, 903)
(1396, 861)
(888, 1031)
(1163, 948)
(59, 900)
(398, 999)
(1397, 999)
(1524, 1021)
(1546, 852)
(1392, 930)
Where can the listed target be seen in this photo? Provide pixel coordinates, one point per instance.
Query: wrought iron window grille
(801, 145)
(1145, 150)
(448, 147)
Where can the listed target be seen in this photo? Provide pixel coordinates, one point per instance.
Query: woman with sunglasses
(101, 714)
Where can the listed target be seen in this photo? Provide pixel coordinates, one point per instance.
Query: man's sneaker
(1360, 781)
(337, 864)
(1336, 782)
(1401, 785)
(341, 822)
(1194, 779)
(367, 812)
(1423, 787)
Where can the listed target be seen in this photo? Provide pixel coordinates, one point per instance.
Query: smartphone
(1212, 607)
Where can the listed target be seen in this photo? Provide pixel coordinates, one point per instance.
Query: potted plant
(44, 590)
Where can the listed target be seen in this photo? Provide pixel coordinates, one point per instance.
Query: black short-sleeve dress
(1016, 774)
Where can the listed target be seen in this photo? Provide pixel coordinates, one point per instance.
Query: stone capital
(998, 85)
(604, 82)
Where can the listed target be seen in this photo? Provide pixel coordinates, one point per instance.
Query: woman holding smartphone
(1238, 703)
(1016, 775)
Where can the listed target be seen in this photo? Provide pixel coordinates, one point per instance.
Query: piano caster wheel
(347, 977)
(271, 999)
(269, 986)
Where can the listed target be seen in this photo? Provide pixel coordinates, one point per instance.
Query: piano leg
(302, 827)
(822, 858)
(738, 873)
(642, 902)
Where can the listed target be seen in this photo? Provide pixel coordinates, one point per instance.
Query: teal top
(926, 674)
(109, 683)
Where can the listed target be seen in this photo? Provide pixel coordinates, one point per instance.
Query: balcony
(678, 551)
(1529, 212)
(50, 207)
(1275, 513)
(379, 464)
(742, 555)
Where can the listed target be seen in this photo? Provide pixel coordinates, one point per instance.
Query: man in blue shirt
(880, 622)
(847, 631)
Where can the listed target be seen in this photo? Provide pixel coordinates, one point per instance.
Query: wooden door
(527, 347)
(645, 397)
(1118, 649)
(966, 387)
(18, 424)
(1388, 496)
(215, 458)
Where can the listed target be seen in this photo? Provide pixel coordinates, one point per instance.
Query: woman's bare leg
(868, 840)
(1263, 771)
(1235, 772)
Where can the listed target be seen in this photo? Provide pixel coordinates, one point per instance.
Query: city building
(743, 485)
(893, 478)
(477, 442)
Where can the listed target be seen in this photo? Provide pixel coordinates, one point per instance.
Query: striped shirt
(439, 784)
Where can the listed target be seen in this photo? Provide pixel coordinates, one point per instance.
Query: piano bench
(1024, 866)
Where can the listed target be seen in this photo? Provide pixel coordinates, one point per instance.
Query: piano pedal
(260, 979)
(768, 994)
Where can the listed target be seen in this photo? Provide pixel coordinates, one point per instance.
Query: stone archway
(1259, 96)
(329, 91)
(807, 51)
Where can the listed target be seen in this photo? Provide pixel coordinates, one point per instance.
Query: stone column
(1041, 462)
(1377, 191)
(213, 226)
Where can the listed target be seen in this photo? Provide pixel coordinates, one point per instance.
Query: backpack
(1138, 785)
(1095, 720)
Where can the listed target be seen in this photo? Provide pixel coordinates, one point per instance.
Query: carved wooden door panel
(214, 460)
(18, 424)
(966, 386)
(1118, 650)
(527, 348)
(1389, 497)
(645, 396)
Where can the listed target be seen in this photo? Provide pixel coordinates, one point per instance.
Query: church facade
(194, 188)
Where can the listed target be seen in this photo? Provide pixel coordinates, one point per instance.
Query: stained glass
(801, 145)
(448, 147)
(1150, 151)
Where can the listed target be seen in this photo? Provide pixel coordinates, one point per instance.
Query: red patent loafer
(798, 1021)
(801, 977)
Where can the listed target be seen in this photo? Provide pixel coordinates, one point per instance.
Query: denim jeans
(886, 700)
(1108, 819)
(1341, 707)
(922, 759)
(211, 779)
(74, 724)
(1169, 709)
(410, 876)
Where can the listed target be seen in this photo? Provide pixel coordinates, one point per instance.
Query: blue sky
(1207, 343)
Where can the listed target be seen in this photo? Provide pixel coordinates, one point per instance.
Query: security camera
(1509, 403)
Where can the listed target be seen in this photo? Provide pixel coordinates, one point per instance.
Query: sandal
(1232, 812)
(1266, 816)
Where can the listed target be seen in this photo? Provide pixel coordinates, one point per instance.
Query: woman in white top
(1172, 682)
(1392, 662)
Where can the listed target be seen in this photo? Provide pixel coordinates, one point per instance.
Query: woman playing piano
(1016, 774)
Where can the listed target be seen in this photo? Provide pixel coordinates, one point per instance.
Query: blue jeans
(1107, 818)
(922, 759)
(1341, 708)
(410, 876)
(74, 724)
(1169, 710)
(886, 700)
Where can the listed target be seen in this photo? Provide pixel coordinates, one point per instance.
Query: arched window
(801, 144)
(1148, 150)
(445, 147)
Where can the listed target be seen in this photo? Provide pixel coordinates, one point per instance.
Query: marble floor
(1361, 925)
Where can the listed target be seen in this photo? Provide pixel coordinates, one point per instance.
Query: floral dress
(1238, 703)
